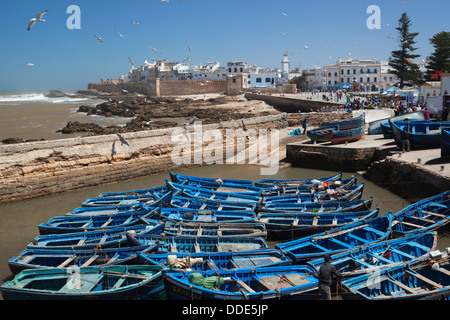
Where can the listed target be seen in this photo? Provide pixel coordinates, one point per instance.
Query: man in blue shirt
(326, 272)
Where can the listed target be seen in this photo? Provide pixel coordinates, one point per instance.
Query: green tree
(440, 59)
(402, 60)
(300, 82)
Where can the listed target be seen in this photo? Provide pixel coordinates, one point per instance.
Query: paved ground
(429, 159)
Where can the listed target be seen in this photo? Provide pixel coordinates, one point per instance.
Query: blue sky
(254, 31)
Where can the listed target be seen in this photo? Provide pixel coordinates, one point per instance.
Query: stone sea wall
(41, 168)
(407, 180)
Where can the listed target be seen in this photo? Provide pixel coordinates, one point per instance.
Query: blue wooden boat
(430, 214)
(296, 182)
(181, 215)
(197, 244)
(260, 283)
(375, 126)
(124, 206)
(146, 200)
(208, 204)
(318, 188)
(114, 237)
(82, 223)
(341, 136)
(47, 258)
(201, 193)
(387, 132)
(334, 195)
(311, 207)
(86, 283)
(216, 261)
(445, 146)
(422, 135)
(338, 240)
(229, 187)
(180, 178)
(293, 226)
(419, 280)
(137, 192)
(325, 131)
(235, 230)
(379, 255)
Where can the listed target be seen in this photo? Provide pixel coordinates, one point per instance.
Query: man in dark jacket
(326, 272)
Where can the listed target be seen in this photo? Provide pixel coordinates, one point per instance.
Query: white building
(262, 79)
(360, 75)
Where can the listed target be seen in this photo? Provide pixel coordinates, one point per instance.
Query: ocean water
(32, 115)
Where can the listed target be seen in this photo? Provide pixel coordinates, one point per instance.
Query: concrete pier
(412, 175)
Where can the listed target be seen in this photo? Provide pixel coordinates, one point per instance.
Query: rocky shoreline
(151, 113)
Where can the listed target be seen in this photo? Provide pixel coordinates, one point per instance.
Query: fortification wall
(33, 169)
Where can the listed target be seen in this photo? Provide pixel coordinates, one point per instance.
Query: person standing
(305, 125)
(326, 273)
(426, 114)
(405, 140)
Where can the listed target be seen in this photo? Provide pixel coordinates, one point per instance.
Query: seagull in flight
(167, 1)
(187, 59)
(189, 48)
(284, 14)
(37, 19)
(99, 39)
(135, 22)
(121, 35)
(30, 64)
(306, 47)
(131, 61)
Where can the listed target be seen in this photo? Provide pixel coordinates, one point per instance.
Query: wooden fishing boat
(114, 237)
(419, 280)
(47, 258)
(296, 182)
(350, 135)
(202, 193)
(208, 204)
(318, 188)
(137, 192)
(146, 200)
(235, 230)
(82, 223)
(293, 226)
(422, 135)
(197, 244)
(335, 195)
(386, 129)
(229, 187)
(259, 283)
(124, 206)
(311, 207)
(182, 215)
(85, 283)
(430, 214)
(321, 134)
(325, 132)
(445, 146)
(216, 261)
(338, 240)
(345, 124)
(379, 255)
(375, 126)
(179, 178)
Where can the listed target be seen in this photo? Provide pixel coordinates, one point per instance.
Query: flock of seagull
(39, 16)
